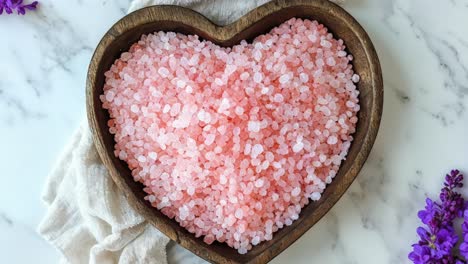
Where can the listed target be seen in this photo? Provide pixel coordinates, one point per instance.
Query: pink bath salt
(233, 142)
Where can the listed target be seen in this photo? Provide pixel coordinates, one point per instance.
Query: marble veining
(6, 219)
(423, 49)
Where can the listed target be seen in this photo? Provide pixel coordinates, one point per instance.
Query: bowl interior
(170, 18)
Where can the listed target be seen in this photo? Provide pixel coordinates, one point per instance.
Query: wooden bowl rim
(221, 35)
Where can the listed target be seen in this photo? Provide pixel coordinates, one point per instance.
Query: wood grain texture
(259, 21)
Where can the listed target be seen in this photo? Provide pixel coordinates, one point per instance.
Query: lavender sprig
(11, 5)
(438, 239)
(452, 201)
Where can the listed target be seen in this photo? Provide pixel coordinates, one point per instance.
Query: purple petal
(10, 4)
(31, 6)
(423, 234)
(464, 246)
(420, 254)
(21, 10)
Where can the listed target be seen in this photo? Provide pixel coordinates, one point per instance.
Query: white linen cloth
(88, 219)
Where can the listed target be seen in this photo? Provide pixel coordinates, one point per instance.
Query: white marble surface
(423, 48)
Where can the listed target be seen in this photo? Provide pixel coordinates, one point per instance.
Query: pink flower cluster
(233, 142)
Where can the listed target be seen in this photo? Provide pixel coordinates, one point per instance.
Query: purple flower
(420, 254)
(452, 201)
(438, 238)
(464, 244)
(440, 244)
(10, 5)
(450, 260)
(444, 241)
(430, 211)
(454, 180)
(424, 235)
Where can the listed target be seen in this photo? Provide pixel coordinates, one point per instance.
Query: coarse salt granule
(233, 142)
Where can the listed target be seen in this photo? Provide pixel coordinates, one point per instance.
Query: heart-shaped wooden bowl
(259, 21)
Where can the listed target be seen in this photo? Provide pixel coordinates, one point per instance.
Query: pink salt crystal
(265, 164)
(221, 130)
(274, 197)
(332, 140)
(218, 81)
(296, 191)
(224, 105)
(255, 240)
(247, 149)
(284, 79)
(134, 108)
(242, 250)
(141, 159)
(222, 179)
(164, 72)
(269, 156)
(126, 56)
(109, 96)
(190, 190)
(304, 77)
(278, 98)
(257, 55)
(355, 78)
(180, 83)
(204, 116)
(151, 198)
(315, 196)
(239, 213)
(298, 146)
(259, 183)
(257, 149)
(257, 77)
(210, 138)
(244, 76)
(153, 155)
(255, 162)
(166, 108)
(239, 110)
(253, 126)
(209, 239)
(122, 155)
(232, 142)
